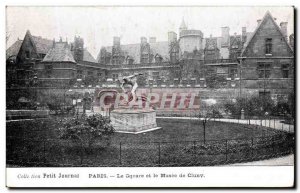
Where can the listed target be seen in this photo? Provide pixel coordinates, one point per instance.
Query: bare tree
(206, 113)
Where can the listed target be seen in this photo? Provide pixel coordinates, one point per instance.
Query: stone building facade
(262, 60)
(267, 60)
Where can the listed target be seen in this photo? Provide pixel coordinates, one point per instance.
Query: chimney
(53, 45)
(172, 37)
(78, 48)
(152, 39)
(143, 40)
(283, 27)
(244, 34)
(258, 21)
(225, 36)
(116, 41)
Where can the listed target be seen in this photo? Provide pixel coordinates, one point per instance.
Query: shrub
(86, 130)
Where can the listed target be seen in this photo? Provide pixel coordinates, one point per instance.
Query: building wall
(59, 70)
(250, 74)
(190, 43)
(281, 55)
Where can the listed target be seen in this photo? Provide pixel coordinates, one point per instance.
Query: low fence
(274, 123)
(26, 114)
(32, 152)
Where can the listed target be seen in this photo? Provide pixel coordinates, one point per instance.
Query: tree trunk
(204, 128)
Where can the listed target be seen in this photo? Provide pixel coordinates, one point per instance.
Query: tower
(182, 26)
(78, 48)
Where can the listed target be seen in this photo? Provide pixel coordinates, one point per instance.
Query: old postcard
(150, 96)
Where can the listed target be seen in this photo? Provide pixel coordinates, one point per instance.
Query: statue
(131, 116)
(130, 80)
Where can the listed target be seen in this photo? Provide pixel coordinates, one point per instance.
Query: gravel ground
(285, 160)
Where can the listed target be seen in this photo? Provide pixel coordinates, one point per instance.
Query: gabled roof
(236, 40)
(13, 50)
(59, 53)
(266, 16)
(40, 45)
(87, 56)
(211, 43)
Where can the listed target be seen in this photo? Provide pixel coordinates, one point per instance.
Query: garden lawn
(177, 143)
(192, 130)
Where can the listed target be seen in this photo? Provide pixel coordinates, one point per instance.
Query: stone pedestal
(242, 114)
(130, 120)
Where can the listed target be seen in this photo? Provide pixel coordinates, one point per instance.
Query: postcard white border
(233, 176)
(274, 176)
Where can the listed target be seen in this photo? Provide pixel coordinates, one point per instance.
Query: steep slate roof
(266, 16)
(13, 50)
(59, 53)
(42, 45)
(161, 48)
(87, 56)
(133, 50)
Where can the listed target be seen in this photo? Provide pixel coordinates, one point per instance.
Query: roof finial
(183, 25)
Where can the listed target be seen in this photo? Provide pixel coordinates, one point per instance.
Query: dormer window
(158, 58)
(27, 54)
(268, 46)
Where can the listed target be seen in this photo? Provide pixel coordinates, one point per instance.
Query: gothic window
(27, 54)
(158, 58)
(222, 70)
(115, 60)
(193, 81)
(285, 70)
(79, 74)
(264, 70)
(48, 69)
(155, 75)
(99, 74)
(233, 73)
(268, 46)
(145, 53)
(90, 73)
(264, 94)
(130, 61)
(144, 58)
(234, 46)
(115, 76)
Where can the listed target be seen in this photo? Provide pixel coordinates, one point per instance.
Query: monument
(133, 114)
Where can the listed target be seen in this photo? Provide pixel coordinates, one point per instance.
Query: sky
(98, 25)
